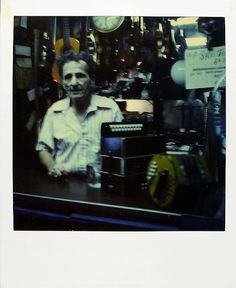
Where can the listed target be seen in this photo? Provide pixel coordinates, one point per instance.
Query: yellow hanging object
(161, 180)
(59, 46)
(166, 173)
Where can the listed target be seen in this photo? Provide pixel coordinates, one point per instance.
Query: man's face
(76, 80)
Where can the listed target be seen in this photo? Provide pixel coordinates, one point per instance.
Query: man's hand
(57, 171)
(53, 168)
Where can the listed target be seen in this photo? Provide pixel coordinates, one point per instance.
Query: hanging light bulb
(178, 72)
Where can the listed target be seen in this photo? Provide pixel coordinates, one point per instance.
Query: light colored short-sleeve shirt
(71, 141)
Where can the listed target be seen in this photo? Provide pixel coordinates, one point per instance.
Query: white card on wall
(204, 68)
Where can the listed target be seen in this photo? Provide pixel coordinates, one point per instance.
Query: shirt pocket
(65, 139)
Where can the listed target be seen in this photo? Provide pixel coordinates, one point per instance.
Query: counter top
(36, 193)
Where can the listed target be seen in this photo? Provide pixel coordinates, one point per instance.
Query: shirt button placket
(83, 148)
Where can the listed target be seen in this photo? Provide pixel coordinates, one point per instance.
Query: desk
(45, 203)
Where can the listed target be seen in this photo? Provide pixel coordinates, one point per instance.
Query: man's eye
(68, 76)
(80, 75)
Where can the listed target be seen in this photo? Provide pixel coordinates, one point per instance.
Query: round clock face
(107, 24)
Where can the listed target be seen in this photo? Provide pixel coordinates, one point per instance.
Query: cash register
(126, 150)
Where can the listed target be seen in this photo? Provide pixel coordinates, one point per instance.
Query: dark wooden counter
(45, 203)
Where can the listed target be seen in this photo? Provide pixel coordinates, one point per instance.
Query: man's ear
(92, 82)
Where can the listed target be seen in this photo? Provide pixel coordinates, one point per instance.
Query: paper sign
(31, 94)
(22, 50)
(204, 68)
(24, 62)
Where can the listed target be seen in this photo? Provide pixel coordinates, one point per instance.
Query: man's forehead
(71, 65)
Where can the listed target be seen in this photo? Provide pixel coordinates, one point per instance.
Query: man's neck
(80, 105)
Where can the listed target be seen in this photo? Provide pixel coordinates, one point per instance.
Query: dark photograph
(119, 123)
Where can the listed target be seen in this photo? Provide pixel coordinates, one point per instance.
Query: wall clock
(106, 24)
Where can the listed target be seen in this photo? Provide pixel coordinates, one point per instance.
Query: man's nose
(74, 80)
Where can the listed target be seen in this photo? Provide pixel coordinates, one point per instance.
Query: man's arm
(48, 162)
(45, 144)
(46, 159)
(117, 114)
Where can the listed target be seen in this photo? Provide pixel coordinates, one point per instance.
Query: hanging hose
(36, 76)
(218, 120)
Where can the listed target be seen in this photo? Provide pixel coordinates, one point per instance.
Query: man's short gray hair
(70, 55)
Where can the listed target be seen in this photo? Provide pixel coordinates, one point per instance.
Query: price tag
(23, 50)
(24, 62)
(204, 68)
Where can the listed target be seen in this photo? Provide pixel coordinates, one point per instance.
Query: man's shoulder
(102, 101)
(60, 105)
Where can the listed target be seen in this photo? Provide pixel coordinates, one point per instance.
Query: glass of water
(94, 170)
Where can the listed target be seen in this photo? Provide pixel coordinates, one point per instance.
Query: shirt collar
(99, 101)
(96, 101)
(61, 105)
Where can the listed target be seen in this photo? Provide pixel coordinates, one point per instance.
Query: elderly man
(71, 129)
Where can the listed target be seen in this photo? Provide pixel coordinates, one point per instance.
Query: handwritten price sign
(204, 68)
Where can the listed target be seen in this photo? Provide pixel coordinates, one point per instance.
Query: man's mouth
(75, 91)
